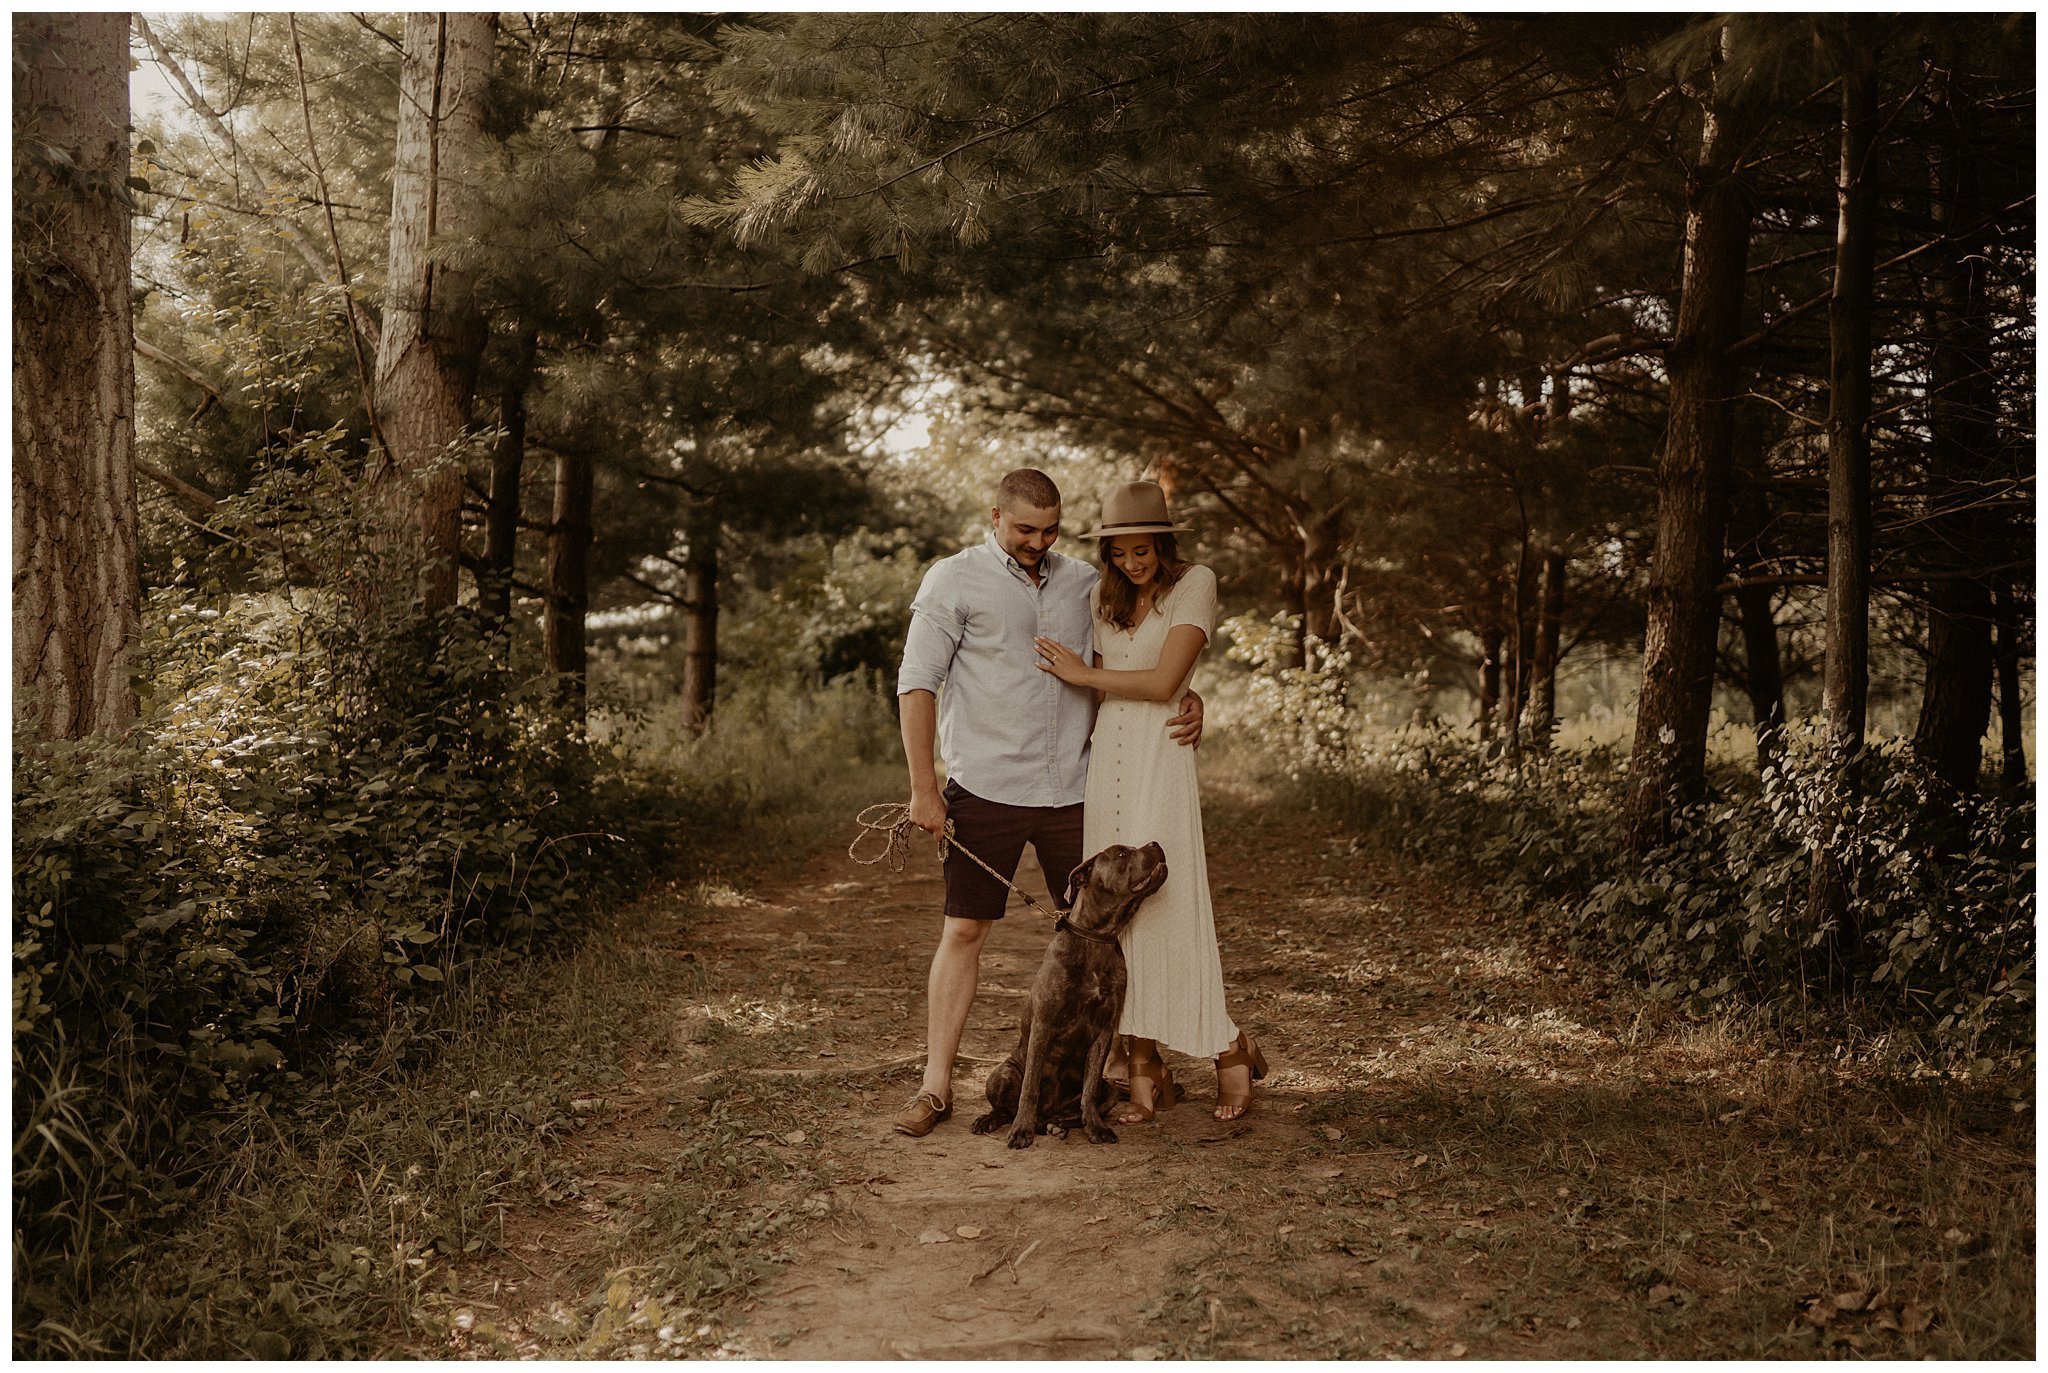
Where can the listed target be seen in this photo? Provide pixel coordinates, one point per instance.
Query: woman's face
(1136, 556)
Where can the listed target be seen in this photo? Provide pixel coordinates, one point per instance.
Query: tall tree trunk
(1845, 685)
(569, 577)
(1540, 719)
(1667, 765)
(1763, 673)
(1522, 613)
(501, 507)
(1955, 706)
(433, 333)
(2012, 772)
(1319, 558)
(77, 594)
(700, 610)
(1491, 645)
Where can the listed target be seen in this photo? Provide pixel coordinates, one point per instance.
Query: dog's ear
(1078, 879)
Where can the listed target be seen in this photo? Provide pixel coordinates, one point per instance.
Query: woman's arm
(1160, 682)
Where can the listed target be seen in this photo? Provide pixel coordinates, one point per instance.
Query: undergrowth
(327, 1217)
(1939, 938)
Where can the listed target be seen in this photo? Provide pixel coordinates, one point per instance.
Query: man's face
(1026, 531)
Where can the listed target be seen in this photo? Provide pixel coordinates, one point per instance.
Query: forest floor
(1471, 1144)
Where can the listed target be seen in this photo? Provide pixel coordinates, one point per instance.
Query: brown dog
(1054, 1075)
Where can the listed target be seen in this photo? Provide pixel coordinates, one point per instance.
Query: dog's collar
(1063, 923)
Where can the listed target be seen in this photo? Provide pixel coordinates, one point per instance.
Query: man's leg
(955, 976)
(974, 902)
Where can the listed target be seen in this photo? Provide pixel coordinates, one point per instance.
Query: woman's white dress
(1141, 787)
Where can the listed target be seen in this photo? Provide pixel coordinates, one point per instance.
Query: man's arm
(1186, 727)
(920, 720)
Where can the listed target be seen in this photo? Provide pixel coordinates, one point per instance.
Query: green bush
(313, 826)
(1941, 915)
(1942, 908)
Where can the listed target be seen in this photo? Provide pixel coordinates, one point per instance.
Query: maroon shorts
(996, 834)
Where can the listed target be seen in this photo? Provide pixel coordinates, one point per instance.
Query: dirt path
(1466, 1147)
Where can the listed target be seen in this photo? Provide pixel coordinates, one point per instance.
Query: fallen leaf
(1572, 1323)
(793, 1137)
(1915, 1318)
(934, 1237)
(1421, 1159)
(1958, 1236)
(1284, 1230)
(1456, 1351)
(968, 1232)
(1387, 1192)
(1330, 1174)
(1143, 1353)
(1818, 1313)
(1332, 1132)
(1851, 1301)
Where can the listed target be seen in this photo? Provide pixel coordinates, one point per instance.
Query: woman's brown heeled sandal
(1243, 1053)
(1120, 1086)
(1163, 1095)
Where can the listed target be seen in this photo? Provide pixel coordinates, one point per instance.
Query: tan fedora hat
(1135, 508)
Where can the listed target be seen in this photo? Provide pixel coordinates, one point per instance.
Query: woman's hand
(1061, 661)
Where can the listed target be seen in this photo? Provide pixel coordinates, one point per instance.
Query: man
(1015, 741)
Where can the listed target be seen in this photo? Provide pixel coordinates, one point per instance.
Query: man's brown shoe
(923, 1113)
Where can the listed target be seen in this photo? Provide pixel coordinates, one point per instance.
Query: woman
(1154, 613)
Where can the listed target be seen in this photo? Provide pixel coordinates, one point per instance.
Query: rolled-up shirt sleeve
(935, 631)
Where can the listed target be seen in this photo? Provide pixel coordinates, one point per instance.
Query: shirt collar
(1015, 568)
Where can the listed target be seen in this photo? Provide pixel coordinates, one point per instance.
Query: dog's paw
(1100, 1134)
(1022, 1137)
(988, 1124)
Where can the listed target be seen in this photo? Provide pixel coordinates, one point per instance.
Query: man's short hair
(1027, 486)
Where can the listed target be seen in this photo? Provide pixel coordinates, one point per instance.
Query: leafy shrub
(1298, 713)
(1943, 905)
(314, 824)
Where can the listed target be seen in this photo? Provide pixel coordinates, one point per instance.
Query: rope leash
(891, 819)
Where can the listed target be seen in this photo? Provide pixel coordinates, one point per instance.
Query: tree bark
(1955, 705)
(1491, 645)
(1845, 685)
(433, 333)
(2012, 772)
(1667, 765)
(501, 506)
(77, 593)
(1540, 719)
(1763, 672)
(700, 610)
(562, 628)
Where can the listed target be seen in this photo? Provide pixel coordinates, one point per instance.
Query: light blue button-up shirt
(1008, 731)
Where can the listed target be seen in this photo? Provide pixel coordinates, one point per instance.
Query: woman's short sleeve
(1194, 601)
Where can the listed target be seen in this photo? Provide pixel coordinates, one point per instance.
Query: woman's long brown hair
(1117, 600)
